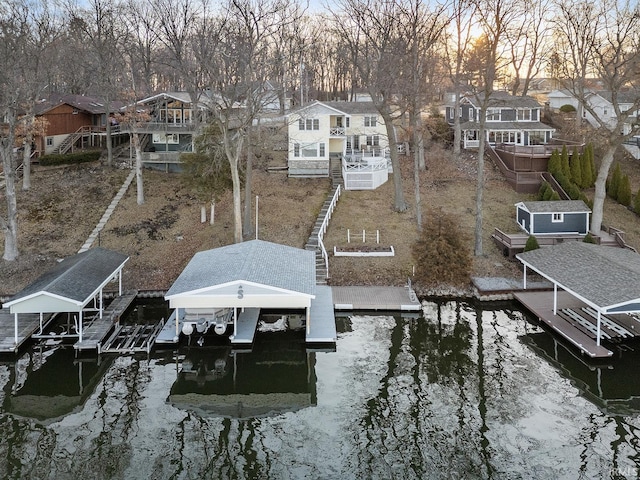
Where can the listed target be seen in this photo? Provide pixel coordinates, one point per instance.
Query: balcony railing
(337, 132)
(150, 127)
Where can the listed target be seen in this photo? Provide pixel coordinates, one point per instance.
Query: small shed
(70, 286)
(556, 217)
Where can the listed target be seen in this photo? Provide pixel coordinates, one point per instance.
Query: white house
(351, 131)
(510, 120)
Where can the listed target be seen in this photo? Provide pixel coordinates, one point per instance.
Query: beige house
(351, 132)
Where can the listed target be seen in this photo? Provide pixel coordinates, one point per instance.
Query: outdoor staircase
(322, 274)
(68, 142)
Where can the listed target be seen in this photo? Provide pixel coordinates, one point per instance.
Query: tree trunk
(600, 192)
(416, 188)
(480, 187)
(457, 131)
(247, 226)
(108, 136)
(26, 156)
(10, 225)
(203, 213)
(212, 218)
(399, 203)
(237, 201)
(139, 183)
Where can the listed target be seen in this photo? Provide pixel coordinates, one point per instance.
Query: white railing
(364, 164)
(337, 131)
(325, 225)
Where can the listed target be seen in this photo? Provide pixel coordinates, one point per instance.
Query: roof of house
(91, 104)
(75, 278)
(606, 277)
(498, 99)
(623, 96)
(255, 261)
(555, 206)
(507, 126)
(348, 108)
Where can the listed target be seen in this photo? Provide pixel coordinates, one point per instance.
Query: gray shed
(553, 217)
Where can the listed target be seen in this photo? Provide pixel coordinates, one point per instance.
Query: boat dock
(131, 339)
(95, 331)
(401, 299)
(246, 329)
(577, 323)
(322, 327)
(28, 325)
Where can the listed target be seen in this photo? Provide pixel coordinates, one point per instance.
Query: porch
(365, 170)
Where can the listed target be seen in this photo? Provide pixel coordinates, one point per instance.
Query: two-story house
(510, 120)
(71, 121)
(351, 131)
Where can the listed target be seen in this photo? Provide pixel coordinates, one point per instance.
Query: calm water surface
(459, 393)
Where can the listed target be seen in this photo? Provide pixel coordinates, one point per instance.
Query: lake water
(462, 393)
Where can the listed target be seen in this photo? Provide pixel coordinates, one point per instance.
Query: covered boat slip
(248, 277)
(599, 295)
(75, 286)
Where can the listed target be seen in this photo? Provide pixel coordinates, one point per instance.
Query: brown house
(72, 121)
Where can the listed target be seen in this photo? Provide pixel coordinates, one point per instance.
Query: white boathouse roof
(247, 274)
(71, 284)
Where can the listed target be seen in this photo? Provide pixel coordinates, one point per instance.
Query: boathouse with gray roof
(71, 286)
(250, 276)
(603, 282)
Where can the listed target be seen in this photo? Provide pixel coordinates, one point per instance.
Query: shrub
(588, 238)
(573, 191)
(532, 244)
(614, 182)
(442, 252)
(70, 158)
(566, 108)
(624, 191)
(564, 162)
(544, 188)
(555, 196)
(554, 166)
(586, 167)
(576, 168)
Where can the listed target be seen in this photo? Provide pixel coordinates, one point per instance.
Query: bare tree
(526, 42)
(494, 17)
(374, 32)
(611, 41)
(105, 36)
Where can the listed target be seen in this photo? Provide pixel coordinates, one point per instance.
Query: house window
(312, 150)
(373, 140)
(472, 113)
(370, 121)
(309, 124)
(296, 149)
(450, 110)
(322, 150)
(74, 112)
(605, 112)
(524, 114)
(49, 141)
(347, 122)
(460, 112)
(557, 217)
(493, 115)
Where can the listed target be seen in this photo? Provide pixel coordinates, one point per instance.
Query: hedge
(70, 158)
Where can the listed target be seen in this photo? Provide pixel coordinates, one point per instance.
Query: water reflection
(46, 384)
(277, 375)
(460, 393)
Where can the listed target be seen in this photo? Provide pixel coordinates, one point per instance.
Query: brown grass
(64, 205)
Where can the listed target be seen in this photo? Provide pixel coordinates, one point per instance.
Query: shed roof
(555, 206)
(255, 261)
(75, 279)
(607, 278)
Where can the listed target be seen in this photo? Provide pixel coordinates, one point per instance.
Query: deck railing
(337, 132)
(325, 225)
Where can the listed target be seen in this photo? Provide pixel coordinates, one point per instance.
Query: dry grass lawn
(65, 203)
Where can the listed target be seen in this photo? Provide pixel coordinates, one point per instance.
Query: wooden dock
(375, 298)
(28, 324)
(95, 331)
(577, 323)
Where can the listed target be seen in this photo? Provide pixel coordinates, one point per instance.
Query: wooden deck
(577, 322)
(132, 338)
(95, 331)
(375, 298)
(28, 324)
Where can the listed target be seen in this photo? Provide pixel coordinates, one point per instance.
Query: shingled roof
(76, 279)
(607, 278)
(254, 261)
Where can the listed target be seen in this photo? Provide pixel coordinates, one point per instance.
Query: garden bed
(363, 251)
